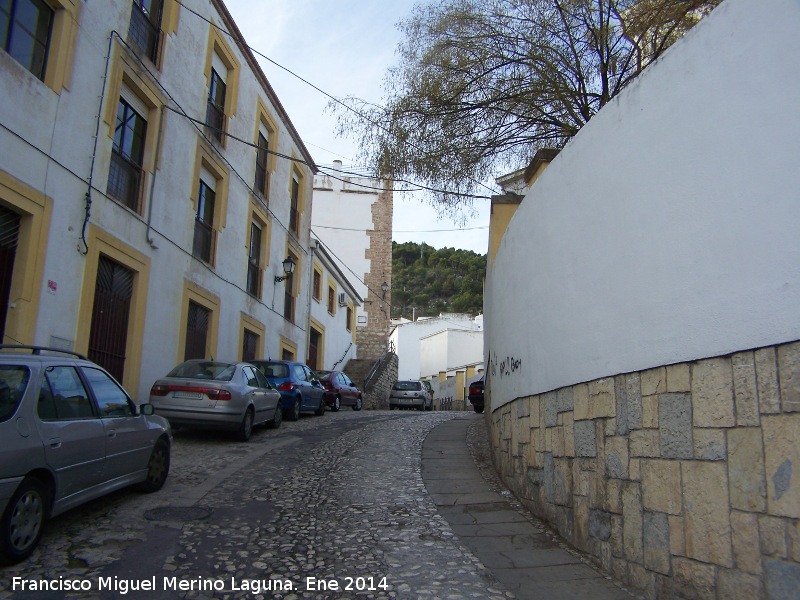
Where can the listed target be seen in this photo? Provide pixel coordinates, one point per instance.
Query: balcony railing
(203, 241)
(215, 119)
(125, 181)
(144, 33)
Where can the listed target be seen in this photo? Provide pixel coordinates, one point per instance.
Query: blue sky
(344, 48)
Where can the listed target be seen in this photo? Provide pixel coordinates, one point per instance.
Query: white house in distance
(332, 313)
(144, 214)
(447, 348)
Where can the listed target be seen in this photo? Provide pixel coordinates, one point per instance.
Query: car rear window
(407, 386)
(323, 375)
(13, 381)
(277, 370)
(204, 370)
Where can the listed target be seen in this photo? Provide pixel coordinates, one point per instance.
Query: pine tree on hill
(427, 281)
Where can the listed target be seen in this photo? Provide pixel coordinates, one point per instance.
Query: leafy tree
(482, 84)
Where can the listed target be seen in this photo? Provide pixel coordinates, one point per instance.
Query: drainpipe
(312, 247)
(157, 157)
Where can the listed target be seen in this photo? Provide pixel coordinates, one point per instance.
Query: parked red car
(339, 390)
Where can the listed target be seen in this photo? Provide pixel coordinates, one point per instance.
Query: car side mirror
(146, 409)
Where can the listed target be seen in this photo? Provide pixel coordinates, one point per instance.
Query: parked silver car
(410, 394)
(220, 395)
(70, 433)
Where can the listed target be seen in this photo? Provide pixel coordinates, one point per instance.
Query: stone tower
(353, 218)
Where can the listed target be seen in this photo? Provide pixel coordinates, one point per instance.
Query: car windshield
(276, 370)
(13, 381)
(204, 370)
(407, 386)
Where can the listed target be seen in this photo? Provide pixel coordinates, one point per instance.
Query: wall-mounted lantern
(288, 269)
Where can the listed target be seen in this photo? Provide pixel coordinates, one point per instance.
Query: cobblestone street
(339, 498)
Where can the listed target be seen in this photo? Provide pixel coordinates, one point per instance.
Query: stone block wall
(679, 481)
(372, 339)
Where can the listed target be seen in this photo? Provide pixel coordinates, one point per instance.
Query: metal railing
(376, 368)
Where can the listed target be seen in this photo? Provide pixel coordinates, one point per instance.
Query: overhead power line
(359, 114)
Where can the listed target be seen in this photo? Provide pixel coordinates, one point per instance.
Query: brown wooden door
(196, 331)
(108, 336)
(313, 347)
(9, 231)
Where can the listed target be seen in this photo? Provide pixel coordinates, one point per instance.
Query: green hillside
(434, 281)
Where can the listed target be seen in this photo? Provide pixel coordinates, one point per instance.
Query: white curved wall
(667, 230)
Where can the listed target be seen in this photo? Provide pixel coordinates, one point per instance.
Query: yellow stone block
(712, 393)
(654, 381)
(601, 398)
(580, 396)
(650, 412)
(679, 378)
(661, 486)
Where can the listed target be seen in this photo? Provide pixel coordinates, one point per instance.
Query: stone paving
(338, 498)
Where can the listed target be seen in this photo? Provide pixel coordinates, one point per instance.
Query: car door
(128, 440)
(255, 391)
(316, 389)
(71, 430)
(271, 396)
(348, 388)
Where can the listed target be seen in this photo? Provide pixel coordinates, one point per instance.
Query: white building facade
(163, 238)
(643, 331)
(332, 314)
(427, 347)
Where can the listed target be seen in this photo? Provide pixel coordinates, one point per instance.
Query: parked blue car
(299, 387)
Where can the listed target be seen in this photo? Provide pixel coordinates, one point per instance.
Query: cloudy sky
(343, 48)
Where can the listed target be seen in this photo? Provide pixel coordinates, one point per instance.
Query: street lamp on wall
(384, 289)
(288, 269)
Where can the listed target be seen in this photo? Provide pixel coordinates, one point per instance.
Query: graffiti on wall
(505, 367)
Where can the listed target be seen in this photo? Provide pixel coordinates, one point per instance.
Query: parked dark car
(410, 394)
(339, 390)
(429, 388)
(70, 434)
(299, 387)
(233, 396)
(476, 395)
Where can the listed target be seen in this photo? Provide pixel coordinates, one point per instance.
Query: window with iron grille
(317, 287)
(25, 29)
(108, 333)
(204, 224)
(331, 300)
(349, 320)
(197, 321)
(288, 298)
(215, 112)
(249, 345)
(125, 171)
(262, 176)
(254, 261)
(145, 27)
(294, 215)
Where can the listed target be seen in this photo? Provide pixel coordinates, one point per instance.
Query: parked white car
(70, 434)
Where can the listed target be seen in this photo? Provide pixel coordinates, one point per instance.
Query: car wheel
(321, 408)
(294, 414)
(23, 520)
(478, 409)
(422, 406)
(246, 428)
(157, 468)
(357, 405)
(337, 402)
(277, 418)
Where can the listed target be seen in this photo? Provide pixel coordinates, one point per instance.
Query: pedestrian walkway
(523, 556)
